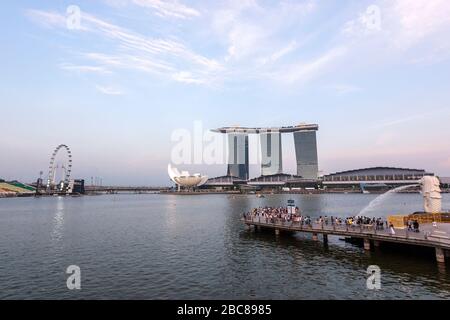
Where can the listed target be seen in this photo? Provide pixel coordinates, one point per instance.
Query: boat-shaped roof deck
(257, 130)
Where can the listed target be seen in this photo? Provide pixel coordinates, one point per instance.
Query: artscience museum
(184, 179)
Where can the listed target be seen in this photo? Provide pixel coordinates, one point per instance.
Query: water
(381, 199)
(195, 247)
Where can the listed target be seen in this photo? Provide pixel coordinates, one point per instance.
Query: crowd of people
(294, 215)
(413, 225)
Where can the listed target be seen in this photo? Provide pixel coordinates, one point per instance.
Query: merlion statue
(431, 192)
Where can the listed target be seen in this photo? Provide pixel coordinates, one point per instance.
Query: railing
(430, 217)
(345, 229)
(367, 228)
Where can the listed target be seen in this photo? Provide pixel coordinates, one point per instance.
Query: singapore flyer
(59, 169)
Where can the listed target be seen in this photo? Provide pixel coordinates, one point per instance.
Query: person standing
(416, 226)
(392, 230)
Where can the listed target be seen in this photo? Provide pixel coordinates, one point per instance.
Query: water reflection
(58, 221)
(406, 266)
(413, 273)
(171, 212)
(194, 247)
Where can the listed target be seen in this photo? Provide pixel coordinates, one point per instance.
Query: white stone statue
(431, 192)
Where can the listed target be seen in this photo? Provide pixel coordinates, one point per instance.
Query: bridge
(427, 237)
(124, 189)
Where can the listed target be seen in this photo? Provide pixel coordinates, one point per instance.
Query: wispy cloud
(244, 40)
(84, 69)
(280, 53)
(109, 90)
(416, 27)
(419, 19)
(305, 71)
(136, 51)
(162, 8)
(249, 29)
(129, 61)
(187, 77)
(154, 47)
(48, 19)
(169, 8)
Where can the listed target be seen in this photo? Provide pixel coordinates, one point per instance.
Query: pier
(427, 237)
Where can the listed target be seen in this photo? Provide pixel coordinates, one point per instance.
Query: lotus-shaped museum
(185, 179)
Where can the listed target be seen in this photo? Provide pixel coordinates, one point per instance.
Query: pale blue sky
(116, 88)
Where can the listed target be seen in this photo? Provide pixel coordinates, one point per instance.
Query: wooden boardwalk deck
(372, 237)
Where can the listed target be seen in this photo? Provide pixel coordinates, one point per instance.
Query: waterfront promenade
(428, 236)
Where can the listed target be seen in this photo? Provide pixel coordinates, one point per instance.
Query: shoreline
(194, 193)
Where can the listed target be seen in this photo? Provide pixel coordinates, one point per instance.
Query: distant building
(445, 182)
(78, 186)
(375, 177)
(275, 182)
(271, 151)
(224, 183)
(238, 164)
(185, 179)
(306, 151)
(282, 181)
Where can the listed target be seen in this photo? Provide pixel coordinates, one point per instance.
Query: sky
(114, 79)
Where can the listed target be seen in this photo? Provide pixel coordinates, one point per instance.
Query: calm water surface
(195, 247)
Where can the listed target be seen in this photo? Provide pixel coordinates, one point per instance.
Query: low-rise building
(375, 177)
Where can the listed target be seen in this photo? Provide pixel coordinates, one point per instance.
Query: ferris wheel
(53, 166)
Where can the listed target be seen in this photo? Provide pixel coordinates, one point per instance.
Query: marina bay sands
(305, 142)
